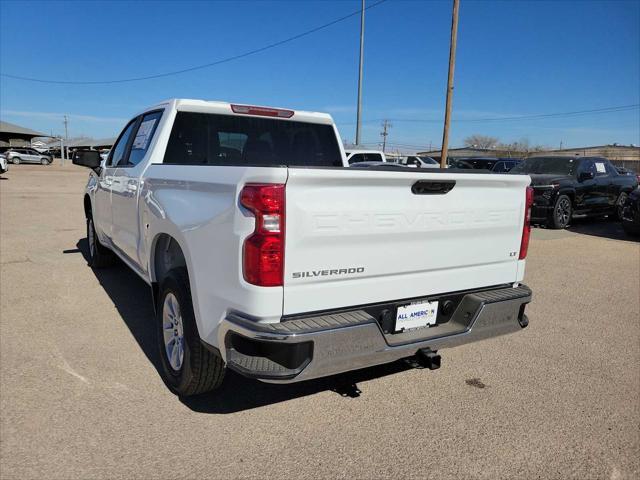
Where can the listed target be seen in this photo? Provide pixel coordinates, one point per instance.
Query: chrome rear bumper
(318, 346)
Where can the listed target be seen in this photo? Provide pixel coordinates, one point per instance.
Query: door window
(119, 151)
(611, 170)
(587, 166)
(601, 169)
(358, 157)
(142, 139)
(500, 167)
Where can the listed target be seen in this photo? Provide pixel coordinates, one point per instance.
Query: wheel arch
(571, 193)
(87, 205)
(166, 254)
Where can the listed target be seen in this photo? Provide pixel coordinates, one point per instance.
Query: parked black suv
(568, 186)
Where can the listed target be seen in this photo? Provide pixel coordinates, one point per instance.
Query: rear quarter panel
(198, 207)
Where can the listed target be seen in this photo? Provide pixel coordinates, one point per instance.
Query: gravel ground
(80, 396)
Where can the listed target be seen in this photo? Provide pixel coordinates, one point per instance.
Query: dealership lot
(80, 395)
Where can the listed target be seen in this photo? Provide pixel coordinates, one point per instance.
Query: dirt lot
(81, 396)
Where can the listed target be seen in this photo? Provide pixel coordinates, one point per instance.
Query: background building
(12, 135)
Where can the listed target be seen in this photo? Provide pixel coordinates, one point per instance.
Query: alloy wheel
(173, 331)
(563, 212)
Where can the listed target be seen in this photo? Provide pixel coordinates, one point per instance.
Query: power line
(621, 108)
(197, 67)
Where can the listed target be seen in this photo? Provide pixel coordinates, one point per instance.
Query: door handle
(132, 186)
(432, 187)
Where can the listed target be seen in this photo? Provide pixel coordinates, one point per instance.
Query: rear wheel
(99, 255)
(188, 367)
(561, 213)
(15, 160)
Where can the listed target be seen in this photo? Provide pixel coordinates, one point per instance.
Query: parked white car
(416, 161)
(266, 256)
(4, 165)
(355, 156)
(27, 155)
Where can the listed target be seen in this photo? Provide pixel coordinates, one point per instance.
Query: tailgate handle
(432, 187)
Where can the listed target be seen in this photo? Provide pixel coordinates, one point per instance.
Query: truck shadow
(600, 227)
(132, 298)
(594, 227)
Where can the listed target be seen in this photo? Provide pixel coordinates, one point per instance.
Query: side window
(374, 157)
(500, 167)
(358, 157)
(611, 170)
(587, 166)
(601, 169)
(143, 138)
(119, 150)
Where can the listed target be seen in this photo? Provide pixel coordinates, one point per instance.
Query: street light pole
(452, 64)
(359, 110)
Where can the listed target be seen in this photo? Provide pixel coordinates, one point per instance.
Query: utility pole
(560, 144)
(386, 125)
(359, 108)
(66, 139)
(452, 64)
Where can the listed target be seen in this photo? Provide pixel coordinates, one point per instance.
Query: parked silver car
(27, 155)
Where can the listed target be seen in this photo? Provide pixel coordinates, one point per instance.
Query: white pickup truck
(265, 255)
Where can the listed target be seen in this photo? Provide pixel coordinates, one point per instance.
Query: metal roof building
(12, 135)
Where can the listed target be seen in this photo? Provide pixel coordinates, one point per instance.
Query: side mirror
(586, 176)
(87, 158)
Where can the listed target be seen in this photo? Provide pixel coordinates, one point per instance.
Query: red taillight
(263, 111)
(526, 228)
(263, 250)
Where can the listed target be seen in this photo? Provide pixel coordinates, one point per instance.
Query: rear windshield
(210, 139)
(554, 165)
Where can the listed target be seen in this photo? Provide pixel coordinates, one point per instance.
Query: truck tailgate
(355, 237)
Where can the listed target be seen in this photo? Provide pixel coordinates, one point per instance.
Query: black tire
(562, 211)
(99, 255)
(201, 369)
(15, 160)
(622, 198)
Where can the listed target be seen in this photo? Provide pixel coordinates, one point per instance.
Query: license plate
(416, 315)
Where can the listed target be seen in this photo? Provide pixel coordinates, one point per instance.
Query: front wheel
(188, 367)
(622, 199)
(15, 160)
(99, 255)
(44, 161)
(561, 213)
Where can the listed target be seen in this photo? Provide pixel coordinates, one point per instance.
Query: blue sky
(514, 58)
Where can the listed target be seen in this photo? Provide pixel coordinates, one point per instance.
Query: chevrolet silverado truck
(267, 256)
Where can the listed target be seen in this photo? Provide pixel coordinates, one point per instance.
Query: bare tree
(480, 141)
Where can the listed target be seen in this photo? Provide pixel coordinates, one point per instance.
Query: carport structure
(12, 135)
